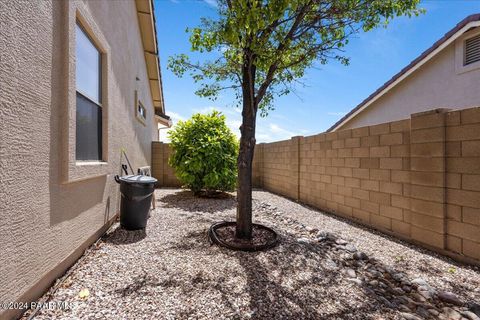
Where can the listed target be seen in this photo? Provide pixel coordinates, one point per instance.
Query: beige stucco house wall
(52, 207)
(436, 80)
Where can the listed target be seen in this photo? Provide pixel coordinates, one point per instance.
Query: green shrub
(205, 153)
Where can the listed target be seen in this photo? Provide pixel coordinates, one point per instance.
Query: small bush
(205, 153)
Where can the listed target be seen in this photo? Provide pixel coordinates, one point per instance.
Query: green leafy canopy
(205, 153)
(281, 39)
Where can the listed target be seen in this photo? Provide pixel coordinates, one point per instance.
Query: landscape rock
(324, 235)
(350, 248)
(357, 281)
(360, 256)
(450, 314)
(329, 264)
(423, 312)
(426, 291)
(474, 307)
(420, 282)
(470, 315)
(449, 297)
(351, 273)
(433, 312)
(304, 240)
(398, 276)
(373, 283)
(409, 316)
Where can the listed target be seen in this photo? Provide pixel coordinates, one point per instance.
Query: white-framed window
(141, 112)
(88, 70)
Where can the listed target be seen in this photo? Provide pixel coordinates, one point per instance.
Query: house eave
(162, 118)
(146, 19)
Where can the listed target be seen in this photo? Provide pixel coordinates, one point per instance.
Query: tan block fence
(417, 179)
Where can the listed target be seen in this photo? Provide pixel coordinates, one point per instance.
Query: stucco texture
(436, 84)
(49, 205)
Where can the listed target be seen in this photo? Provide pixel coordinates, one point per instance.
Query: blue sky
(331, 91)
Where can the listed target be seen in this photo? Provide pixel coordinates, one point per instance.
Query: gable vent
(472, 50)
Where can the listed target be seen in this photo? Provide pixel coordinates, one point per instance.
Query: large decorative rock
(474, 307)
(426, 291)
(450, 314)
(470, 315)
(449, 297)
(420, 282)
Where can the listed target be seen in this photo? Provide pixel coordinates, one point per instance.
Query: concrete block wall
(278, 175)
(463, 181)
(160, 168)
(417, 179)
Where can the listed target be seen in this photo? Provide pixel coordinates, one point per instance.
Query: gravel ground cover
(324, 268)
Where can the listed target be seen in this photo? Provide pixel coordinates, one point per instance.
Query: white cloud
(163, 131)
(176, 116)
(205, 109)
(234, 125)
(269, 132)
(276, 129)
(233, 119)
(211, 3)
(233, 111)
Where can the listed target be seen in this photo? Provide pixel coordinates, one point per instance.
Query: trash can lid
(138, 178)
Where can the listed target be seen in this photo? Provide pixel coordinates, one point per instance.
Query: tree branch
(273, 68)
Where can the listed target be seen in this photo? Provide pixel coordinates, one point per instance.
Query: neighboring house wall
(51, 208)
(439, 83)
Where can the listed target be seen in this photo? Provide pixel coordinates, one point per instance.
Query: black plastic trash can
(136, 193)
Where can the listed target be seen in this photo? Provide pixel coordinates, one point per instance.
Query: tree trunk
(245, 156)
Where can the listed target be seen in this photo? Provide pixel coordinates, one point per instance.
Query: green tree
(260, 47)
(204, 154)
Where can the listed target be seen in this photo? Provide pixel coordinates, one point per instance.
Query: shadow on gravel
(299, 281)
(186, 201)
(308, 279)
(292, 281)
(304, 280)
(122, 237)
(194, 240)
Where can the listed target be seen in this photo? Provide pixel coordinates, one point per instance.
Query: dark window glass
(89, 109)
(141, 111)
(89, 129)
